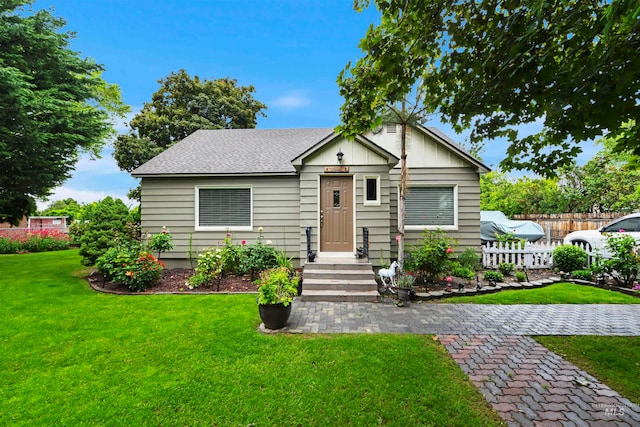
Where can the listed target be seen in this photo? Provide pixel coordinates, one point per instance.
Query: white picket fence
(533, 255)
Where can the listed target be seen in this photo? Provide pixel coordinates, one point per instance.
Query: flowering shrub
(130, 265)
(161, 242)
(258, 257)
(433, 257)
(209, 267)
(231, 255)
(624, 264)
(21, 241)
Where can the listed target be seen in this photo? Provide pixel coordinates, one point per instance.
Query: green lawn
(613, 360)
(559, 293)
(72, 356)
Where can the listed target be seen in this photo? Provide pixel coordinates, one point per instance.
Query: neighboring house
(48, 222)
(39, 223)
(288, 180)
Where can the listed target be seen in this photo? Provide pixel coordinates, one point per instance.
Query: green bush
(106, 227)
(507, 268)
(624, 264)
(582, 274)
(130, 265)
(277, 285)
(521, 276)
(209, 267)
(469, 259)
(569, 258)
(431, 258)
(161, 242)
(258, 257)
(495, 276)
(459, 270)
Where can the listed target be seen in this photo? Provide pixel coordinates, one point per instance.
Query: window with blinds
(224, 208)
(430, 206)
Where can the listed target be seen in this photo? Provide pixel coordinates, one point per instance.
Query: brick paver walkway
(525, 382)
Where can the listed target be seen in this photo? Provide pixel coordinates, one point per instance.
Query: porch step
(339, 279)
(339, 296)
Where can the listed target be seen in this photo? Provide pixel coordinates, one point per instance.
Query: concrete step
(364, 266)
(339, 296)
(339, 284)
(338, 274)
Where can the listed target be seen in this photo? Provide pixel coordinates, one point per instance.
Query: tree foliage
(494, 65)
(53, 105)
(182, 105)
(67, 207)
(604, 184)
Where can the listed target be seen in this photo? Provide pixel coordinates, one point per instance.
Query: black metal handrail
(311, 256)
(365, 242)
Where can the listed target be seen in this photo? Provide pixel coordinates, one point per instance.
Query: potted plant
(276, 289)
(406, 282)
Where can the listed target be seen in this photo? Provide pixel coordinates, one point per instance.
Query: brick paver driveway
(526, 383)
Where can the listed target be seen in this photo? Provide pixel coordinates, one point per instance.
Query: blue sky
(290, 50)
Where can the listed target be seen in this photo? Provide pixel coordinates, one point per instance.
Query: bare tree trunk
(403, 188)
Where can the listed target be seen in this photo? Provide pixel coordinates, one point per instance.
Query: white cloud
(291, 100)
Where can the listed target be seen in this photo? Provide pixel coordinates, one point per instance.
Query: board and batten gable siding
(422, 151)
(467, 181)
(170, 202)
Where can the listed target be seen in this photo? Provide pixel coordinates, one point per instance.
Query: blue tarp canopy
(495, 222)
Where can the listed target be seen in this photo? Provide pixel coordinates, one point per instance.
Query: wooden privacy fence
(557, 226)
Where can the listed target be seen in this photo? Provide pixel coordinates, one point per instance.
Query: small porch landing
(339, 280)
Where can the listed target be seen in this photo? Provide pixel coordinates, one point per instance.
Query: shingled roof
(234, 151)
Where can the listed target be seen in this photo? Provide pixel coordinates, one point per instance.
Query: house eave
(208, 175)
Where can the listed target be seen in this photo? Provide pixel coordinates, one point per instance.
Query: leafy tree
(53, 104)
(182, 105)
(495, 65)
(67, 207)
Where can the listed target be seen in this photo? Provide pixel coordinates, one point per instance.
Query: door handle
(321, 217)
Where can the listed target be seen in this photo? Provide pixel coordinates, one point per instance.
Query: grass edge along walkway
(558, 293)
(72, 356)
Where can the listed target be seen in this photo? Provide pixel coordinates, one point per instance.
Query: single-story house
(309, 187)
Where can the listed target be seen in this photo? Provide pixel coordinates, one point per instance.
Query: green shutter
(429, 206)
(224, 207)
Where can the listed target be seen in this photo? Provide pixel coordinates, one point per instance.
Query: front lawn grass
(559, 293)
(612, 360)
(72, 356)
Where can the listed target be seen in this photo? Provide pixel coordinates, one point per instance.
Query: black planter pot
(403, 294)
(274, 316)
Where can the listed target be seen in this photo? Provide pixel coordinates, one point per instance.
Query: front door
(336, 214)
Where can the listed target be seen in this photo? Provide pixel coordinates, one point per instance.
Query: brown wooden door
(336, 214)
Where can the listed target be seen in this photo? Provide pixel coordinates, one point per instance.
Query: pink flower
(621, 230)
(244, 242)
(449, 279)
(397, 237)
(449, 250)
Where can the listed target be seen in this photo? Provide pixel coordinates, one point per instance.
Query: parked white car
(597, 239)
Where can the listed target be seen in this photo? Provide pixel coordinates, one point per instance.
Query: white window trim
(366, 202)
(435, 227)
(198, 227)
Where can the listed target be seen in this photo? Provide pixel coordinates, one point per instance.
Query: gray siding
(468, 184)
(170, 202)
(376, 218)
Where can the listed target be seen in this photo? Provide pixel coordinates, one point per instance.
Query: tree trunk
(403, 188)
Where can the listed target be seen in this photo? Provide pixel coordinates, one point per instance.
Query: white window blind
(224, 207)
(430, 206)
